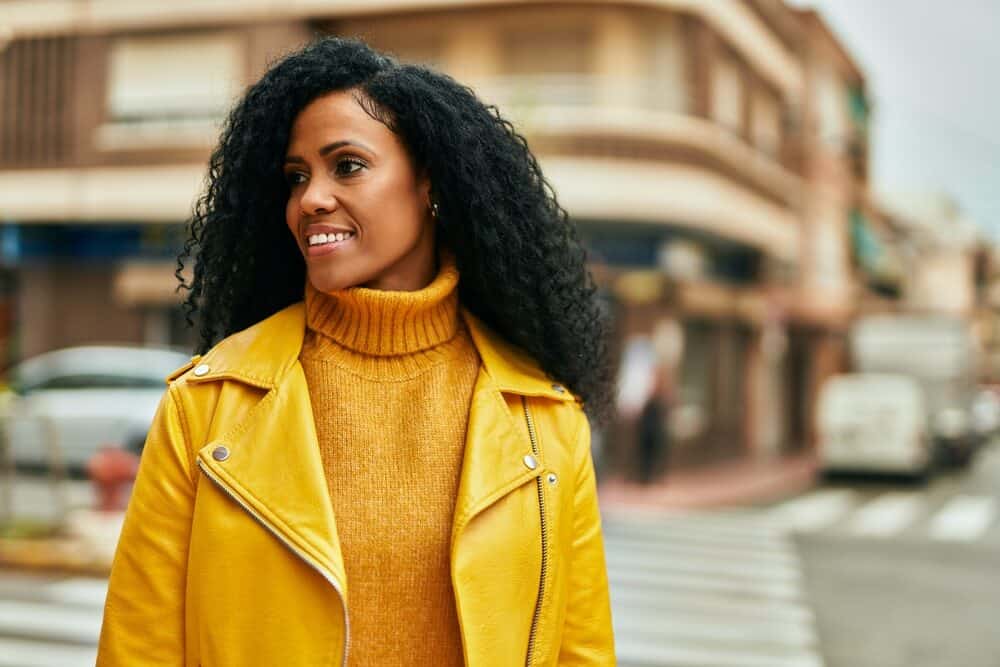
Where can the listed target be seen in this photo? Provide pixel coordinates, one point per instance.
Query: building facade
(710, 152)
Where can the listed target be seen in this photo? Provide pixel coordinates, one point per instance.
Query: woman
(379, 464)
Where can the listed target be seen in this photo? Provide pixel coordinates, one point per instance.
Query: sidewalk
(78, 540)
(739, 483)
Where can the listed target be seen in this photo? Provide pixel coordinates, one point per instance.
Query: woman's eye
(349, 166)
(295, 178)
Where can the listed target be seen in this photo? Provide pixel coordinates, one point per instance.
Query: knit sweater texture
(390, 376)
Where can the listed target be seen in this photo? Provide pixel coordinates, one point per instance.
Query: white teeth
(320, 239)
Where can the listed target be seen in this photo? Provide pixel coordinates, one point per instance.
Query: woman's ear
(424, 190)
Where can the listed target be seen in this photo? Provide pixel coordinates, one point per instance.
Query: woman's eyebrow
(329, 148)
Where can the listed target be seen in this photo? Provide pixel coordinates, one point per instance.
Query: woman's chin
(326, 283)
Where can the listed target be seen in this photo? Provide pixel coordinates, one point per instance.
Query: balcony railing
(37, 102)
(522, 93)
(644, 113)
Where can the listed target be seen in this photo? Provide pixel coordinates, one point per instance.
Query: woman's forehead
(337, 117)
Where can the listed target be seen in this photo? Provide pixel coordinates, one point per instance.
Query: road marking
(728, 570)
(711, 590)
(47, 621)
(744, 588)
(726, 608)
(25, 653)
(638, 651)
(713, 629)
(80, 591)
(691, 532)
(964, 518)
(814, 511)
(887, 515)
(755, 527)
(706, 552)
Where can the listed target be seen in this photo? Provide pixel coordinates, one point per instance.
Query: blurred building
(943, 248)
(712, 152)
(950, 268)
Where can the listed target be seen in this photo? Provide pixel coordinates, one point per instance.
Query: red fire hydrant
(112, 470)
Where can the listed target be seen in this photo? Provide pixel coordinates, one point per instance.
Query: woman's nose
(318, 198)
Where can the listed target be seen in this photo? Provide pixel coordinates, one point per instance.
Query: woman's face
(350, 174)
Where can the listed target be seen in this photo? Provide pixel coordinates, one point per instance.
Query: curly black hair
(522, 266)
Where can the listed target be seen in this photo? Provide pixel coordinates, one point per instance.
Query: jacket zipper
(532, 635)
(281, 538)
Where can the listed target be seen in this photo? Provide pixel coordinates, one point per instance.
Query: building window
(37, 105)
(169, 88)
(550, 66)
(667, 87)
(832, 108)
(424, 47)
(766, 125)
(425, 52)
(554, 51)
(727, 94)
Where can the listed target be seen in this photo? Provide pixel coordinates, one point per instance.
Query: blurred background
(791, 213)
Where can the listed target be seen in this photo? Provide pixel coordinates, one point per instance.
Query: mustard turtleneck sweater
(390, 376)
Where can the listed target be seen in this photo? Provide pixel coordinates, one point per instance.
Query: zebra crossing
(725, 589)
(958, 508)
(707, 590)
(962, 517)
(49, 622)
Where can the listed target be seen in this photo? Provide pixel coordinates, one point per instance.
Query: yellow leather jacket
(229, 553)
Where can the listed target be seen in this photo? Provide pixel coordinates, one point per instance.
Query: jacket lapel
(495, 447)
(497, 440)
(274, 466)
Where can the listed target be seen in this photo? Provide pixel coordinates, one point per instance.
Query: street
(909, 577)
(49, 621)
(851, 574)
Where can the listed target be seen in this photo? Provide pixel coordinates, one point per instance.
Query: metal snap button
(552, 478)
(201, 369)
(220, 453)
(530, 462)
(558, 387)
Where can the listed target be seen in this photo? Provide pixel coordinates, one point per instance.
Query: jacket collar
(262, 354)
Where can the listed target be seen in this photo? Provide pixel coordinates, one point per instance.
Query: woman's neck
(388, 322)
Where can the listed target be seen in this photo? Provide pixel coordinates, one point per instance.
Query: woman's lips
(327, 248)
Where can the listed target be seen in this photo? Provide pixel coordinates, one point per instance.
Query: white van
(941, 353)
(871, 422)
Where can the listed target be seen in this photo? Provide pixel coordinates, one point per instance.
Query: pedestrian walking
(653, 432)
(381, 454)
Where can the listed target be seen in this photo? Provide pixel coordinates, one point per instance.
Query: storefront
(76, 284)
(678, 302)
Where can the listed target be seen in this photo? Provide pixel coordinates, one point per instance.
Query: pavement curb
(53, 555)
(720, 487)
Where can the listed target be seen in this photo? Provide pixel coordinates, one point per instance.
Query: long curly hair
(521, 263)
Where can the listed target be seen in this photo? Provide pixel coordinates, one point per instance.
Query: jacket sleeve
(588, 637)
(144, 611)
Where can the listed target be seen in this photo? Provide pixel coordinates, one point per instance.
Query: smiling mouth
(315, 240)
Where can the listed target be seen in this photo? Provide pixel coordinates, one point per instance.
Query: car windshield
(92, 381)
(96, 368)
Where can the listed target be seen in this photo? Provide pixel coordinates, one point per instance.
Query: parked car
(869, 422)
(70, 402)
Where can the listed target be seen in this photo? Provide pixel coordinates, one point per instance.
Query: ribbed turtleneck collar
(388, 322)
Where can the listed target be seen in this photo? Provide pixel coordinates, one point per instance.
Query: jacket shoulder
(181, 370)
(258, 355)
